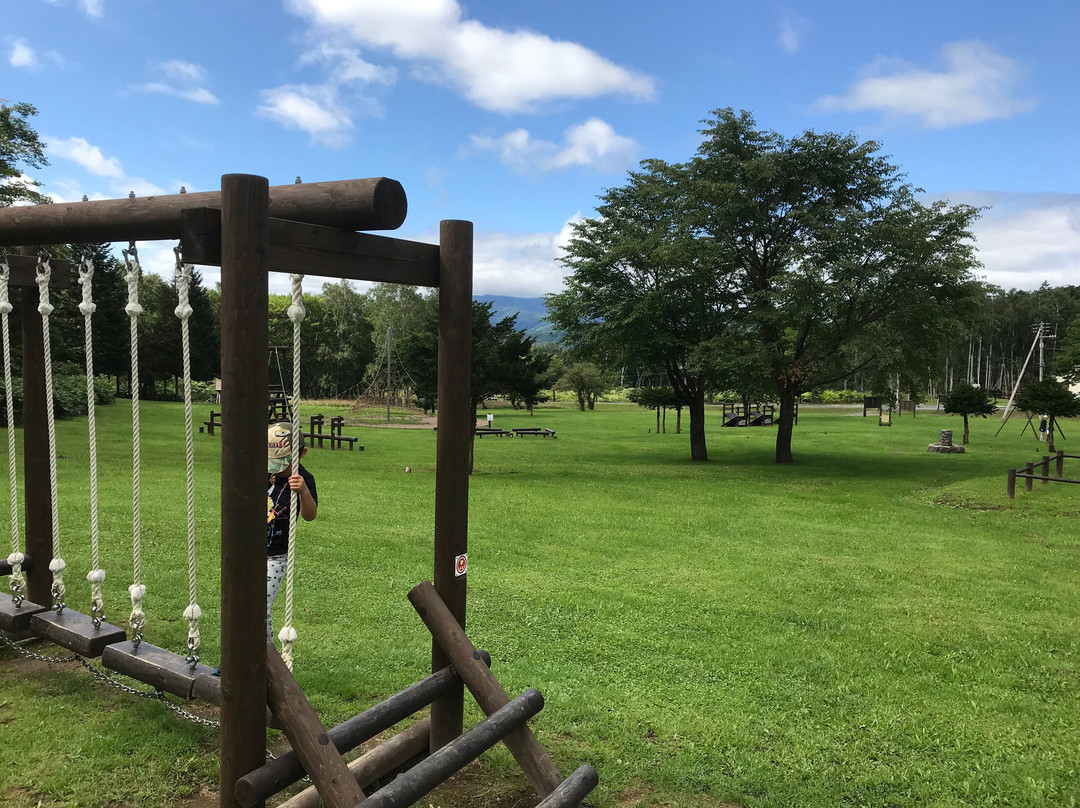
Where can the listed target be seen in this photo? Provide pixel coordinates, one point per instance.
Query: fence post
(1045, 469)
(1060, 464)
(1029, 470)
(1010, 488)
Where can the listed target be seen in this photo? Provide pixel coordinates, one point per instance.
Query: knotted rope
(16, 580)
(183, 311)
(287, 635)
(45, 308)
(96, 576)
(137, 620)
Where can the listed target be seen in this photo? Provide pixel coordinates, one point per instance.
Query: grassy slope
(873, 625)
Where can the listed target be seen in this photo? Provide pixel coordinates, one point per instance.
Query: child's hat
(279, 447)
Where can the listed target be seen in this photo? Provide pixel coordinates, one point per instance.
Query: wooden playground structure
(250, 229)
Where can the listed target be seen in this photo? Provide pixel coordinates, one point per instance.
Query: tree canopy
(1051, 398)
(966, 399)
(810, 250)
(20, 149)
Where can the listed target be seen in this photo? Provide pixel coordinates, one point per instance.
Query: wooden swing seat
(16, 620)
(75, 632)
(157, 667)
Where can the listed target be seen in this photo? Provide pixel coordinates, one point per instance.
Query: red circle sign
(461, 564)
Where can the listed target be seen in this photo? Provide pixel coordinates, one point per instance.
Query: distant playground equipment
(250, 229)
(755, 414)
(1028, 474)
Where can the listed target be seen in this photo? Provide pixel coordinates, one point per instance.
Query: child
(283, 481)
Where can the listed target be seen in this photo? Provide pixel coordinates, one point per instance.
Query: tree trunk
(581, 400)
(785, 426)
(657, 420)
(678, 420)
(664, 421)
(965, 429)
(1050, 435)
(697, 427)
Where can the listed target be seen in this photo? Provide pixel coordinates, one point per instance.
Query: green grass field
(871, 626)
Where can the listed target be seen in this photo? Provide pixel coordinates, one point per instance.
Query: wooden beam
(573, 789)
(487, 691)
(76, 632)
(24, 272)
(407, 788)
(371, 766)
(453, 452)
(364, 204)
(308, 737)
(312, 249)
(244, 312)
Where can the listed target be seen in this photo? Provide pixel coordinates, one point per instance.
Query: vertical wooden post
(38, 498)
(453, 451)
(1045, 469)
(1060, 465)
(245, 202)
(1029, 470)
(1010, 487)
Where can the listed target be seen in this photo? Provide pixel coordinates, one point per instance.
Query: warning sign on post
(461, 565)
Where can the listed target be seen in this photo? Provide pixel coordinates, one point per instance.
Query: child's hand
(297, 484)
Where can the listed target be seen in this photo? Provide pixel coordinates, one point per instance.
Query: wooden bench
(484, 430)
(213, 423)
(534, 430)
(334, 436)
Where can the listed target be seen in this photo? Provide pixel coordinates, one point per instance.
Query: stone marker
(945, 444)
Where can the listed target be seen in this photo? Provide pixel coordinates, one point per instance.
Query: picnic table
(534, 430)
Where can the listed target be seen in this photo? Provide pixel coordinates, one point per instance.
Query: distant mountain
(530, 312)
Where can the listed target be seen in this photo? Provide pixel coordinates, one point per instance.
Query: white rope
(96, 576)
(183, 310)
(45, 308)
(137, 621)
(287, 635)
(16, 580)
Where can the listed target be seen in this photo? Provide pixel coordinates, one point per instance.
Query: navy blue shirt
(279, 499)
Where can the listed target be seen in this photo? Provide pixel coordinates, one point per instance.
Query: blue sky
(517, 116)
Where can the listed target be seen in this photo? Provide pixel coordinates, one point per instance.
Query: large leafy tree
(1067, 361)
(20, 148)
(838, 266)
(643, 290)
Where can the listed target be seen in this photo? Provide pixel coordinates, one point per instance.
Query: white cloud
(346, 66)
(25, 57)
(22, 55)
(182, 80)
(791, 33)
(79, 151)
(594, 144)
(316, 110)
(501, 71)
(976, 85)
(1025, 239)
(93, 8)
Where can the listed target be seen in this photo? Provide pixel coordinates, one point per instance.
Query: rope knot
(57, 565)
(183, 311)
(192, 612)
(16, 558)
(96, 576)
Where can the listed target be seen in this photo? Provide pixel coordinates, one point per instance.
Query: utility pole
(389, 333)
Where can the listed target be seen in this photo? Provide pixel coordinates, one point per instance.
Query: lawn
(873, 625)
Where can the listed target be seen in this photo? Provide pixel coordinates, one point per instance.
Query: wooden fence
(1028, 475)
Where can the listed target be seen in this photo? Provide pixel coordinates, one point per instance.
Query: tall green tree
(1067, 361)
(586, 381)
(966, 399)
(20, 149)
(838, 266)
(644, 290)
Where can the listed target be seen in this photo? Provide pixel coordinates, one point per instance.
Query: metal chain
(101, 676)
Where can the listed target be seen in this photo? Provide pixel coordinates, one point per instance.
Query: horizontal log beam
(256, 786)
(407, 788)
(384, 759)
(27, 564)
(312, 249)
(364, 204)
(24, 272)
(572, 790)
